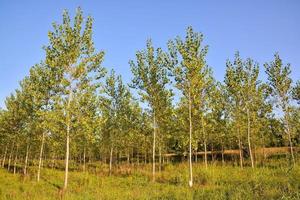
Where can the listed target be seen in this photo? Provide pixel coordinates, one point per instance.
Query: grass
(216, 182)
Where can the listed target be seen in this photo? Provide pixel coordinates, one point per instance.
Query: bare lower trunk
(159, 159)
(240, 149)
(290, 138)
(249, 138)
(190, 141)
(40, 157)
(84, 158)
(212, 154)
(53, 160)
(10, 155)
(26, 159)
(15, 161)
(110, 160)
(205, 154)
(128, 158)
(4, 157)
(205, 144)
(68, 120)
(223, 161)
(153, 147)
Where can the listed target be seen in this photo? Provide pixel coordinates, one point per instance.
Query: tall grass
(127, 182)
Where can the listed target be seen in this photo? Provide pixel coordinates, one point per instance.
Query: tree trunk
(212, 153)
(128, 158)
(26, 159)
(10, 155)
(68, 120)
(289, 136)
(249, 138)
(15, 161)
(240, 148)
(190, 141)
(40, 157)
(159, 159)
(223, 161)
(4, 157)
(153, 147)
(205, 144)
(110, 160)
(84, 149)
(53, 160)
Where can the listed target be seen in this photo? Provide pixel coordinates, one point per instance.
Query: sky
(255, 28)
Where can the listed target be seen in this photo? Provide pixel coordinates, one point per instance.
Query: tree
(71, 50)
(281, 85)
(115, 107)
(151, 78)
(190, 76)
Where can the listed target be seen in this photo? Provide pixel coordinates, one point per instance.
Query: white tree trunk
(159, 159)
(153, 147)
(205, 144)
(26, 159)
(289, 136)
(84, 151)
(10, 155)
(240, 148)
(4, 157)
(41, 156)
(249, 138)
(110, 160)
(68, 120)
(190, 141)
(15, 161)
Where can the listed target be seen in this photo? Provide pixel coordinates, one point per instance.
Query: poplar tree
(71, 50)
(233, 83)
(281, 85)
(190, 76)
(115, 104)
(151, 79)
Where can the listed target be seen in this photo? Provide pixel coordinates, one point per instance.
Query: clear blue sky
(256, 28)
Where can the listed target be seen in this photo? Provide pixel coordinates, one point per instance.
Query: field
(134, 182)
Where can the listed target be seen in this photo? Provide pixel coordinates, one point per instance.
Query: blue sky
(256, 28)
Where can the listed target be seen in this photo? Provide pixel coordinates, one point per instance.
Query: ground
(216, 182)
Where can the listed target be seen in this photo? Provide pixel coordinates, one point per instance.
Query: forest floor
(216, 182)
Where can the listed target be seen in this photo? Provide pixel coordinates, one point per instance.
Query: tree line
(71, 108)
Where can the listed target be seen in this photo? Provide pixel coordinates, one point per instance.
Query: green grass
(214, 183)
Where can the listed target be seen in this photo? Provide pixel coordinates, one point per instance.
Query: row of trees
(70, 108)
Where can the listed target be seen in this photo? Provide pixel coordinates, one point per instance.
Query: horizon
(122, 30)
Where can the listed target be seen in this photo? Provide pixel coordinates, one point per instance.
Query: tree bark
(153, 147)
(68, 120)
(26, 159)
(15, 161)
(240, 148)
(159, 159)
(10, 155)
(223, 161)
(249, 138)
(289, 136)
(205, 144)
(4, 157)
(190, 141)
(40, 157)
(128, 158)
(84, 149)
(110, 160)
